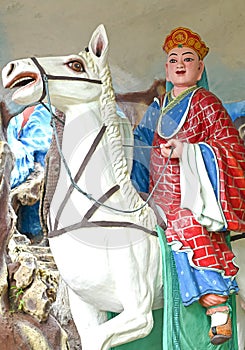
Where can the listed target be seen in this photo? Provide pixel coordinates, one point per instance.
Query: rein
(45, 78)
(237, 237)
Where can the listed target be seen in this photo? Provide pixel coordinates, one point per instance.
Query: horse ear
(98, 45)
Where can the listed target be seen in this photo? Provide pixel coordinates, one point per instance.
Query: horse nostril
(10, 69)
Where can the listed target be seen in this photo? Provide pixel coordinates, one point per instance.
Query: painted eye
(77, 66)
(172, 60)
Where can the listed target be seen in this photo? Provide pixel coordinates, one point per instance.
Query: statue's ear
(98, 45)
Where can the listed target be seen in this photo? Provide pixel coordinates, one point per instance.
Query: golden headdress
(180, 37)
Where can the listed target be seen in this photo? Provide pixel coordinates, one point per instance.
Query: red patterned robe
(205, 123)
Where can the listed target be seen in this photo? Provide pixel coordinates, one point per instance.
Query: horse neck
(84, 116)
(80, 111)
(103, 112)
(91, 117)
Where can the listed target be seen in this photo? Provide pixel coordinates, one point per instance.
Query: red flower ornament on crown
(184, 37)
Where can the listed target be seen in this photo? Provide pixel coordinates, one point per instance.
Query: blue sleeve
(143, 138)
(31, 145)
(211, 166)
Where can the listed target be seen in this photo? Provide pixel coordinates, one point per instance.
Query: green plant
(16, 295)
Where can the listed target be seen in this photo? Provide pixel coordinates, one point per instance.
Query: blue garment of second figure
(143, 136)
(29, 144)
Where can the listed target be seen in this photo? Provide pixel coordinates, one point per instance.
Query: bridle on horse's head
(46, 77)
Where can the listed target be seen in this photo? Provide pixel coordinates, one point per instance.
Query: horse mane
(119, 162)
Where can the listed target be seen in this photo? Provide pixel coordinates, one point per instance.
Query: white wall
(136, 30)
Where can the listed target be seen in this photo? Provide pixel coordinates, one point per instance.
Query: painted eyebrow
(184, 53)
(188, 53)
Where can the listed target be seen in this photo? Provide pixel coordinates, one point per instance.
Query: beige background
(136, 29)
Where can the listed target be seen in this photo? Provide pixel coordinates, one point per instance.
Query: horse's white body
(106, 268)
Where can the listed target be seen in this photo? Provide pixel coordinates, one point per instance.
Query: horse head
(31, 78)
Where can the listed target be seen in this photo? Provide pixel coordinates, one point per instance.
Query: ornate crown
(180, 37)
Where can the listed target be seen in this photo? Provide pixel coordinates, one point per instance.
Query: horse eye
(77, 66)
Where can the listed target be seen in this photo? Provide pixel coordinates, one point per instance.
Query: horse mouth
(22, 80)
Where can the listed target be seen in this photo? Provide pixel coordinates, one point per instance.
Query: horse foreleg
(136, 319)
(129, 325)
(85, 316)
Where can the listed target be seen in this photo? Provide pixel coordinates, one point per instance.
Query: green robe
(178, 327)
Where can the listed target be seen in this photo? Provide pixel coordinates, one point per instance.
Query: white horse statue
(99, 225)
(104, 252)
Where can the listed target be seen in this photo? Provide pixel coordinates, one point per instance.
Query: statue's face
(183, 67)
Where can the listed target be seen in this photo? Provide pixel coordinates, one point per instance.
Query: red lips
(179, 72)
